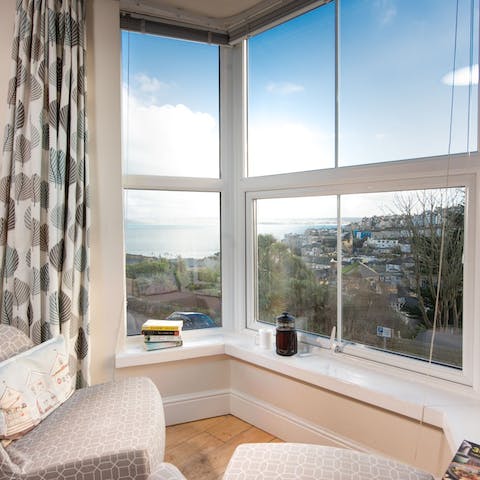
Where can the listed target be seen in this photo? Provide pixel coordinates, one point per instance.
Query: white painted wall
(334, 419)
(186, 377)
(106, 271)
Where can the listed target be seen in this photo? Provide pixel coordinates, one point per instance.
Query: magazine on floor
(465, 464)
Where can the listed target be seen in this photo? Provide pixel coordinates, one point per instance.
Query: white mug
(264, 338)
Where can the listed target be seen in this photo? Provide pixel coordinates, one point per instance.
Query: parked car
(193, 320)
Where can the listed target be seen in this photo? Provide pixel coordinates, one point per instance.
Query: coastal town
(375, 252)
(389, 269)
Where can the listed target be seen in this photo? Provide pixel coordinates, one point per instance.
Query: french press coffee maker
(286, 339)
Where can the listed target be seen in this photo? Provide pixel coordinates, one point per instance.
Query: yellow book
(159, 325)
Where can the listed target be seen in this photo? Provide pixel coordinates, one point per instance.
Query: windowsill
(194, 347)
(450, 407)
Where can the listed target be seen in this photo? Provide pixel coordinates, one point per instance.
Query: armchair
(114, 430)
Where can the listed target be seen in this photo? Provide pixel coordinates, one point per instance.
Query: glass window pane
(291, 93)
(396, 63)
(170, 106)
(296, 261)
(391, 244)
(172, 245)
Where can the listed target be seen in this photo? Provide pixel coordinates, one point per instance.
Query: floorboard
(201, 450)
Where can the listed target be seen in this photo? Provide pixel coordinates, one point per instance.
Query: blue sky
(292, 95)
(395, 104)
(187, 72)
(396, 62)
(393, 101)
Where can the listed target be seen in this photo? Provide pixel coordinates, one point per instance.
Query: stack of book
(160, 334)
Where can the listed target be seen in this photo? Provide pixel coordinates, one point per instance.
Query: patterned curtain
(44, 211)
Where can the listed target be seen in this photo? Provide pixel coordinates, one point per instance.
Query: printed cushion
(286, 461)
(12, 341)
(32, 385)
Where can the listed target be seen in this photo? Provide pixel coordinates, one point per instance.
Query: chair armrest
(262, 461)
(166, 471)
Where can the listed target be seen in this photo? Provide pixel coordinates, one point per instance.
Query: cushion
(12, 341)
(286, 461)
(115, 430)
(32, 385)
(166, 471)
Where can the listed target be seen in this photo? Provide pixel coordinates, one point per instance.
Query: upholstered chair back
(12, 341)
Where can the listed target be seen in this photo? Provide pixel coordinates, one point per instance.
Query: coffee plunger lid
(286, 317)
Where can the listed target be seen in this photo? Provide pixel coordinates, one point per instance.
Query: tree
(432, 218)
(271, 277)
(182, 276)
(147, 268)
(286, 283)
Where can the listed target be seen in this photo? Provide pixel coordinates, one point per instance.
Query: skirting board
(278, 422)
(284, 425)
(187, 408)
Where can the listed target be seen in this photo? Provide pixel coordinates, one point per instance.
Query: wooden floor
(202, 449)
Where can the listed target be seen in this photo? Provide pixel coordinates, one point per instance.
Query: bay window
(338, 183)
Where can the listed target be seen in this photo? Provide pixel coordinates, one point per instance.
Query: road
(443, 339)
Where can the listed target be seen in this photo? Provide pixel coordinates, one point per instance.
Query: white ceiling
(220, 15)
(215, 9)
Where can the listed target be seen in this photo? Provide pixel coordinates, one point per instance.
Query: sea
(200, 241)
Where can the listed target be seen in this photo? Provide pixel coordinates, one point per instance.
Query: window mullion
(339, 270)
(337, 76)
(339, 219)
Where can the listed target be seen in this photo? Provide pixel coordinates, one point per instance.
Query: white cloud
(148, 85)
(172, 208)
(168, 139)
(284, 88)
(296, 209)
(462, 76)
(279, 147)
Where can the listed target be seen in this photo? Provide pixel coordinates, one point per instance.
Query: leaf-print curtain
(44, 213)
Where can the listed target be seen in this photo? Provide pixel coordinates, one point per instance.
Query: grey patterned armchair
(278, 461)
(111, 431)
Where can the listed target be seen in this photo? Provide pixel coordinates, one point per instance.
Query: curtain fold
(44, 210)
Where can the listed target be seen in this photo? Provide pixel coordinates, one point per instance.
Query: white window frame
(464, 376)
(424, 172)
(219, 185)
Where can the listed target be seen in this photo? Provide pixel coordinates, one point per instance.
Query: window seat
(451, 407)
